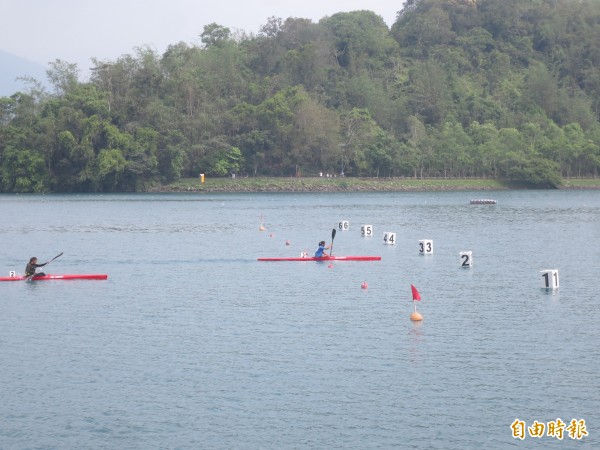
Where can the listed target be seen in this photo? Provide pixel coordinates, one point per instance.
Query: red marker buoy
(415, 315)
(364, 285)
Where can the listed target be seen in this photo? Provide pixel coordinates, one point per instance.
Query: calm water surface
(191, 343)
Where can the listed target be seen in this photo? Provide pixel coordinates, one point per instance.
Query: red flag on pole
(415, 293)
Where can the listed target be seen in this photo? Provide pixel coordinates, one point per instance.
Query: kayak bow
(326, 258)
(58, 277)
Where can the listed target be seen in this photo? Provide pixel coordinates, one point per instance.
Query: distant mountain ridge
(12, 67)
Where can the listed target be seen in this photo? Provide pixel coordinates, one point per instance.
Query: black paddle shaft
(61, 253)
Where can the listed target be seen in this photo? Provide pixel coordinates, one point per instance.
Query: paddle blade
(332, 238)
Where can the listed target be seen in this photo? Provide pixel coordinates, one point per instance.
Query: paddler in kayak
(320, 253)
(31, 266)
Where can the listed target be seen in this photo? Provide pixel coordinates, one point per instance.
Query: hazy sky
(77, 30)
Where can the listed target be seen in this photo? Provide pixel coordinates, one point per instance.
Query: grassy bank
(317, 184)
(581, 183)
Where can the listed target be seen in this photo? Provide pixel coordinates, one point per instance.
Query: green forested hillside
(504, 89)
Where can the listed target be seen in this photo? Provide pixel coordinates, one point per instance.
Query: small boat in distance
(483, 201)
(57, 277)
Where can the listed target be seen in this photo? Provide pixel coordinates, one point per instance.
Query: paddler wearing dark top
(31, 266)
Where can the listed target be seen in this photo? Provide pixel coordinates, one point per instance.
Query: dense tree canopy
(456, 88)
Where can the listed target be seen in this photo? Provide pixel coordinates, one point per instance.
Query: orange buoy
(416, 317)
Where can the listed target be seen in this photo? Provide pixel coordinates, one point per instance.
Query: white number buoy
(366, 230)
(426, 247)
(344, 225)
(12, 274)
(389, 238)
(550, 279)
(466, 259)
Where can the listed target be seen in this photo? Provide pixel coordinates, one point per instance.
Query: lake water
(191, 343)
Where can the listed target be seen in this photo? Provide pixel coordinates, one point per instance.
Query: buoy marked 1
(550, 279)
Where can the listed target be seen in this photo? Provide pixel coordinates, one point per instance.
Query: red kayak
(326, 258)
(58, 277)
